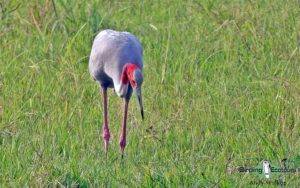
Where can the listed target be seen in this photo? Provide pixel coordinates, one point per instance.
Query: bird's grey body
(110, 52)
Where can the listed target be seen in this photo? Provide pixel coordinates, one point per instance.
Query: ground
(221, 90)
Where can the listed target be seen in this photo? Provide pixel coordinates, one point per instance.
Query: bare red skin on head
(127, 74)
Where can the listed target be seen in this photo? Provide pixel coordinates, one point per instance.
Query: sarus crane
(116, 61)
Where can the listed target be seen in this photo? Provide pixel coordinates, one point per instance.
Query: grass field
(221, 90)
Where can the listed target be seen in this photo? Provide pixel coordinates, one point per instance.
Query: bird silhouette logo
(266, 169)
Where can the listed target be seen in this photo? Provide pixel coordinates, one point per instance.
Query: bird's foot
(106, 136)
(122, 145)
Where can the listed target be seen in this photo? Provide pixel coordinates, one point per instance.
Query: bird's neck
(127, 73)
(126, 78)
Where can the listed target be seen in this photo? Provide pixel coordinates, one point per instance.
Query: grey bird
(116, 61)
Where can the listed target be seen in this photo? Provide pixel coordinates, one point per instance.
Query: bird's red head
(133, 74)
(128, 74)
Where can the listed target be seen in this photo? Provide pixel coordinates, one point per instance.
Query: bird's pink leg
(123, 134)
(106, 134)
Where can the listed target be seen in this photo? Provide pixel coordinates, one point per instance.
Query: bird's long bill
(139, 96)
